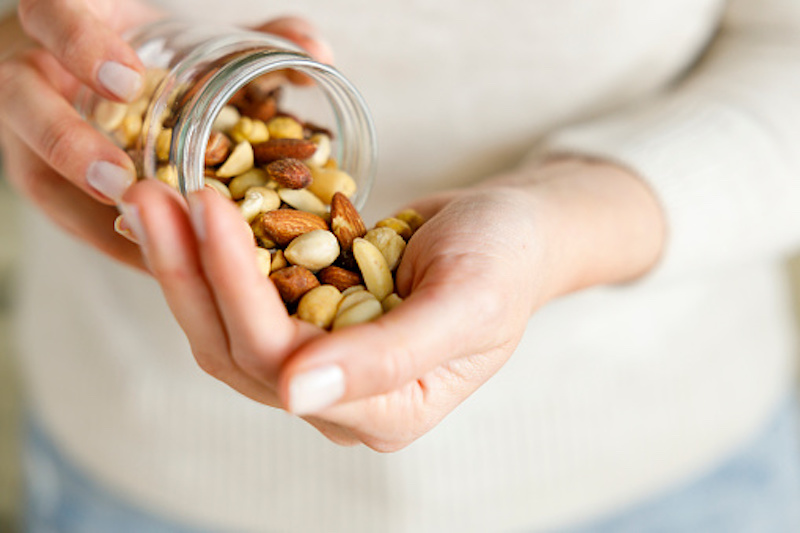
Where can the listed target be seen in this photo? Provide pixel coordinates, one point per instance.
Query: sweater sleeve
(721, 149)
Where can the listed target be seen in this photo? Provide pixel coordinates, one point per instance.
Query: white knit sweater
(613, 394)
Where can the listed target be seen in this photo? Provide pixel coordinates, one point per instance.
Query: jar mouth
(357, 149)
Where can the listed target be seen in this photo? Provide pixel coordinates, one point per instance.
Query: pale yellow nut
(331, 164)
(390, 302)
(109, 115)
(303, 200)
(353, 298)
(239, 185)
(258, 200)
(285, 128)
(163, 144)
(240, 161)
(374, 269)
(355, 288)
(327, 182)
(139, 107)
(218, 186)
(402, 228)
(264, 261)
(365, 311)
(226, 120)
(168, 175)
(323, 152)
(279, 260)
(128, 131)
(389, 243)
(313, 250)
(250, 130)
(318, 306)
(152, 78)
(412, 218)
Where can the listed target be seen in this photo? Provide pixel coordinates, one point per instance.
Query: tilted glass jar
(195, 70)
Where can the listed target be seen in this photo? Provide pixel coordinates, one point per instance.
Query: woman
(630, 164)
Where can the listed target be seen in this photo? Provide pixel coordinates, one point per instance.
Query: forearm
(598, 223)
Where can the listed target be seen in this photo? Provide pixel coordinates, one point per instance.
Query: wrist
(597, 222)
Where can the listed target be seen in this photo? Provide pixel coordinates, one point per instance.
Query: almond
(339, 277)
(346, 223)
(290, 173)
(275, 149)
(217, 149)
(374, 269)
(284, 225)
(293, 282)
(263, 109)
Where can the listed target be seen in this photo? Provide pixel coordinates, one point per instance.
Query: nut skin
(293, 282)
(275, 149)
(339, 277)
(263, 109)
(346, 223)
(284, 225)
(289, 173)
(217, 149)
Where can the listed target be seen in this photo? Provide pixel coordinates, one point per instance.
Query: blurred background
(10, 389)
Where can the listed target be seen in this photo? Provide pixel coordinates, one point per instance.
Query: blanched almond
(374, 269)
(314, 250)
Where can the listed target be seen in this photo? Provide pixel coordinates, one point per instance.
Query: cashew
(264, 261)
(323, 151)
(313, 250)
(303, 200)
(285, 128)
(258, 200)
(109, 115)
(318, 306)
(362, 312)
(327, 182)
(218, 186)
(163, 144)
(389, 243)
(128, 131)
(240, 161)
(250, 130)
(226, 120)
(374, 269)
(252, 178)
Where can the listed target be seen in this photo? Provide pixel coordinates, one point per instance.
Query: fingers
(260, 329)
(65, 204)
(306, 36)
(32, 107)
(88, 46)
(425, 331)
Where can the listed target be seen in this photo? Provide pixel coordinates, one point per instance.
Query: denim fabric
(757, 491)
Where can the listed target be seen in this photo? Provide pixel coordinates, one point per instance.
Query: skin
(487, 259)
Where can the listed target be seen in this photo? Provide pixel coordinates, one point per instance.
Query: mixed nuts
(311, 242)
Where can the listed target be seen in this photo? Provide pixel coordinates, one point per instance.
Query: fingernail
(316, 389)
(197, 212)
(109, 179)
(120, 80)
(121, 227)
(130, 222)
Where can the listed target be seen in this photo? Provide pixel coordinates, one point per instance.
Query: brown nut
(339, 277)
(346, 223)
(275, 149)
(260, 108)
(289, 173)
(314, 250)
(318, 306)
(374, 269)
(402, 228)
(389, 243)
(217, 149)
(284, 225)
(293, 282)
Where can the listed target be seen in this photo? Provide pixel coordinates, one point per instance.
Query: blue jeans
(756, 491)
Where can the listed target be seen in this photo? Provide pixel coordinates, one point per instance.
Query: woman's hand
(72, 172)
(472, 275)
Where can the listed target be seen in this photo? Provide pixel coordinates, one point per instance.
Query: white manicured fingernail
(197, 212)
(316, 389)
(109, 179)
(132, 222)
(120, 80)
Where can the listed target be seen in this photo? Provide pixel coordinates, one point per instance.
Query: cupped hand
(72, 172)
(471, 275)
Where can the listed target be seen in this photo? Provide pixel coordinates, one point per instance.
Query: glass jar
(195, 70)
